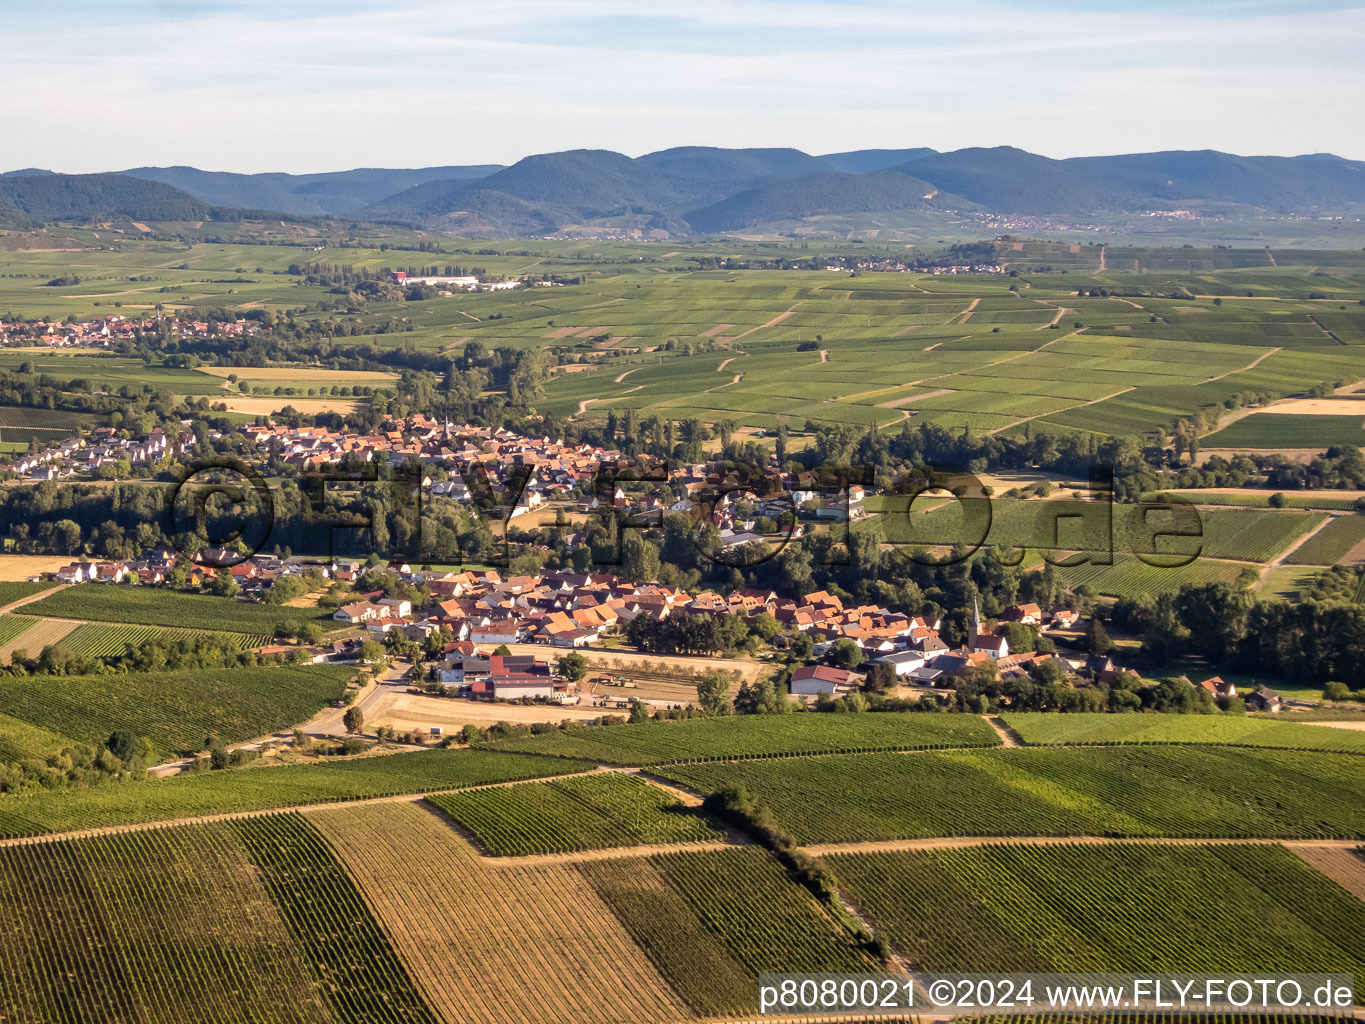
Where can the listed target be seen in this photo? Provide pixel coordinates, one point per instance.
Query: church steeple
(976, 620)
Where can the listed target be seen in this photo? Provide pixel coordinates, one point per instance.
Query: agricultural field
(507, 945)
(1120, 908)
(757, 736)
(1288, 430)
(1073, 729)
(247, 920)
(604, 940)
(1253, 535)
(269, 788)
(96, 640)
(20, 741)
(175, 710)
(1333, 543)
(11, 591)
(152, 606)
(12, 627)
(566, 815)
(1203, 791)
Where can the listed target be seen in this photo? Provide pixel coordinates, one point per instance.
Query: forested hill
(88, 197)
(703, 190)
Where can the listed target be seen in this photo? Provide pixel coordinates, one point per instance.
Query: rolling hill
(332, 193)
(700, 189)
(48, 197)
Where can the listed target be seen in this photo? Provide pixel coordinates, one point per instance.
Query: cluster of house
(1263, 698)
(105, 331)
(464, 282)
(552, 468)
(916, 653)
(102, 447)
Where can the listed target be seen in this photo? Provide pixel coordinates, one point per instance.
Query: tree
(127, 747)
(354, 720)
(713, 693)
(373, 654)
(1097, 638)
(639, 711)
(1331, 690)
(845, 653)
(801, 646)
(572, 666)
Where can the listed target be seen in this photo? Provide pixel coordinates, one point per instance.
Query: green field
(20, 741)
(1121, 791)
(587, 813)
(1217, 729)
(261, 788)
(1332, 543)
(175, 710)
(11, 592)
(1253, 535)
(1289, 430)
(713, 921)
(96, 640)
(757, 736)
(156, 607)
(13, 626)
(1121, 908)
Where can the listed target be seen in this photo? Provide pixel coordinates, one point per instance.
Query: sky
(305, 85)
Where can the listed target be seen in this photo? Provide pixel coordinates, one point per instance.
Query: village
(486, 633)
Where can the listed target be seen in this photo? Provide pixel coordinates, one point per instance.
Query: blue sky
(301, 85)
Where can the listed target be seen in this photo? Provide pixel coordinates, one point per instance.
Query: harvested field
(21, 567)
(627, 662)
(502, 946)
(1345, 867)
(265, 406)
(412, 711)
(290, 373)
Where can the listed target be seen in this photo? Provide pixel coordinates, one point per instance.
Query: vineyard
(1120, 908)
(1237, 731)
(257, 789)
(13, 591)
(583, 813)
(1288, 430)
(1120, 791)
(19, 741)
(1332, 543)
(12, 627)
(243, 921)
(653, 743)
(150, 606)
(345, 950)
(486, 945)
(96, 640)
(177, 709)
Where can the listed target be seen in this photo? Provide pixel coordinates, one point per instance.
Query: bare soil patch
(264, 406)
(38, 636)
(1318, 407)
(14, 568)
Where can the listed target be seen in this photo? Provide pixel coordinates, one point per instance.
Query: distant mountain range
(703, 190)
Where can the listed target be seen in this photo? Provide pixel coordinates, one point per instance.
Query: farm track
(6, 609)
(1008, 737)
(1284, 555)
(1250, 366)
(771, 323)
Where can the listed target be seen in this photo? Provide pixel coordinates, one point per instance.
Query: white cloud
(249, 85)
